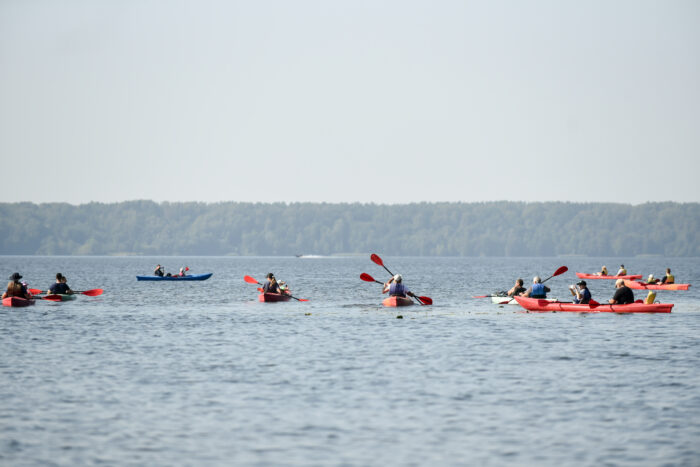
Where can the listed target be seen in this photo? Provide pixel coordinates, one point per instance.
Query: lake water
(201, 373)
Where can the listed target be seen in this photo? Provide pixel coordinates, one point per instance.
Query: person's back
(15, 288)
(59, 288)
(623, 295)
(397, 289)
(159, 271)
(669, 279)
(622, 271)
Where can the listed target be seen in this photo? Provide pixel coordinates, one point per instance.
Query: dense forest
(422, 229)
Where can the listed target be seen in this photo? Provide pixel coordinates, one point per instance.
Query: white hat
(398, 278)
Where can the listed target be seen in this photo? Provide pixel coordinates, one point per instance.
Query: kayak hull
(17, 302)
(274, 297)
(511, 300)
(642, 285)
(397, 301)
(535, 304)
(582, 275)
(193, 277)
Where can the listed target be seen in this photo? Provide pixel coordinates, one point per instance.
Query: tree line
(501, 228)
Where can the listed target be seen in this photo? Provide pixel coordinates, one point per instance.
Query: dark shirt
(59, 288)
(585, 297)
(519, 290)
(623, 295)
(269, 288)
(158, 272)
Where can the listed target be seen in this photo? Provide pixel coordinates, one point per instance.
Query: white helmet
(536, 280)
(398, 278)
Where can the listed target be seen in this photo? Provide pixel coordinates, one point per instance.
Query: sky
(350, 101)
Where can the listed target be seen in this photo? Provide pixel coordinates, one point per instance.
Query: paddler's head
(398, 278)
(619, 283)
(536, 280)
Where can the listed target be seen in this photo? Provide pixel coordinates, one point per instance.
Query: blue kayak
(193, 277)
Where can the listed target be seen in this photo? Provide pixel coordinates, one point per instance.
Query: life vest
(622, 272)
(670, 279)
(397, 290)
(538, 291)
(650, 297)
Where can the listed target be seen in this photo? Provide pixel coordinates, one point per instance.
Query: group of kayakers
(15, 288)
(580, 292)
(160, 272)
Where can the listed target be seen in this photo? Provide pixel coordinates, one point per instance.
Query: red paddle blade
(34, 291)
(260, 289)
(376, 259)
(53, 298)
(425, 300)
(93, 292)
(187, 268)
(250, 280)
(559, 271)
(303, 299)
(366, 277)
(480, 296)
(593, 303)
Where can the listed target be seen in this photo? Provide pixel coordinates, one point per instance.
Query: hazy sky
(343, 101)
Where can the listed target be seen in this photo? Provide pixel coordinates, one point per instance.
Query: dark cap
(583, 283)
(270, 275)
(15, 277)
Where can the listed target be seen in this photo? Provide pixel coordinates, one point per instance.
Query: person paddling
(603, 272)
(60, 286)
(580, 292)
(517, 289)
(668, 278)
(396, 288)
(622, 271)
(271, 286)
(538, 289)
(623, 295)
(159, 271)
(15, 288)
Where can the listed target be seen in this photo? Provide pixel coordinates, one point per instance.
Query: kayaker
(581, 293)
(623, 294)
(159, 271)
(396, 288)
(538, 289)
(15, 288)
(668, 278)
(271, 286)
(283, 287)
(182, 272)
(603, 272)
(517, 289)
(651, 279)
(60, 286)
(622, 271)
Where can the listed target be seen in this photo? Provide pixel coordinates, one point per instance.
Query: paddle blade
(425, 300)
(260, 289)
(302, 299)
(93, 292)
(34, 291)
(366, 277)
(376, 259)
(560, 271)
(592, 303)
(481, 296)
(250, 280)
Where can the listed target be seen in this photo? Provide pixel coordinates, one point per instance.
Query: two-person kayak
(193, 277)
(274, 297)
(643, 285)
(536, 304)
(582, 275)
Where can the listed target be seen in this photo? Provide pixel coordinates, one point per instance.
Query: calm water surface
(202, 374)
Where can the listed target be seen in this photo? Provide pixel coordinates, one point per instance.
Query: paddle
(89, 293)
(558, 272)
(379, 261)
(421, 299)
(252, 280)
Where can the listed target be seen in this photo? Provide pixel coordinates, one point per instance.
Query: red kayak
(582, 275)
(397, 301)
(643, 285)
(274, 297)
(536, 304)
(17, 302)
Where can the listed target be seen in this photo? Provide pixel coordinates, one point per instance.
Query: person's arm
(615, 298)
(387, 284)
(527, 292)
(547, 289)
(511, 292)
